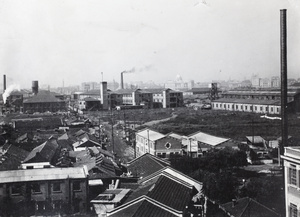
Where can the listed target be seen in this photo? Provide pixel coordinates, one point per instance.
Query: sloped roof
(165, 195)
(164, 192)
(86, 143)
(45, 152)
(12, 158)
(42, 174)
(146, 165)
(151, 134)
(207, 138)
(63, 137)
(175, 135)
(149, 209)
(255, 139)
(42, 98)
(247, 207)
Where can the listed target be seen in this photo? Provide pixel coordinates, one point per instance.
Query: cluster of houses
(71, 172)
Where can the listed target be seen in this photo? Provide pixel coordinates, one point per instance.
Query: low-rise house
(46, 191)
(166, 192)
(150, 141)
(146, 165)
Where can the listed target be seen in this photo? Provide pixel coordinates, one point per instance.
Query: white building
(291, 159)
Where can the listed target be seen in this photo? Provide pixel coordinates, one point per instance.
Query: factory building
(266, 102)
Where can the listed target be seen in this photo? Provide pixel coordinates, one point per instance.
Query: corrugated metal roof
(208, 139)
(42, 174)
(153, 135)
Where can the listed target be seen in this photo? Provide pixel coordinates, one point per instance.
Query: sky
(73, 41)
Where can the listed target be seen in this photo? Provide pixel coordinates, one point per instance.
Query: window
(168, 145)
(16, 189)
(216, 105)
(36, 188)
(293, 210)
(246, 107)
(76, 186)
(293, 175)
(236, 107)
(261, 108)
(56, 187)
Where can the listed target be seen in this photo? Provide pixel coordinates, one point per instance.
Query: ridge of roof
(149, 199)
(152, 157)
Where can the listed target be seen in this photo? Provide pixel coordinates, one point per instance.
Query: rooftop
(207, 138)
(248, 101)
(151, 134)
(146, 165)
(292, 154)
(42, 98)
(247, 207)
(11, 176)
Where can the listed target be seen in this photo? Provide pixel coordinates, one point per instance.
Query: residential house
(166, 192)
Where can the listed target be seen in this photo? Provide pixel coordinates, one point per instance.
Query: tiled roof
(13, 157)
(42, 98)
(43, 152)
(146, 165)
(164, 192)
(42, 174)
(247, 207)
(207, 138)
(148, 209)
(175, 135)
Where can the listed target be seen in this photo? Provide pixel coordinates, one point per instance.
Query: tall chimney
(4, 83)
(283, 62)
(122, 85)
(103, 95)
(35, 87)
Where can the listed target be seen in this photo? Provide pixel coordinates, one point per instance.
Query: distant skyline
(75, 40)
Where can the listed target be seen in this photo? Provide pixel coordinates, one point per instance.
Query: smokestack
(35, 87)
(283, 62)
(4, 83)
(103, 95)
(122, 84)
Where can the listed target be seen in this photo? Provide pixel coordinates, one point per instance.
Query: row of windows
(18, 189)
(256, 108)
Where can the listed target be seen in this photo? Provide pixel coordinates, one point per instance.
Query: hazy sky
(76, 40)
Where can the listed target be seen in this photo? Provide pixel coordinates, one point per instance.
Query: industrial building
(258, 101)
(147, 98)
(157, 144)
(45, 191)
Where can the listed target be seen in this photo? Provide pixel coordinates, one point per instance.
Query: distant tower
(214, 91)
(4, 83)
(35, 87)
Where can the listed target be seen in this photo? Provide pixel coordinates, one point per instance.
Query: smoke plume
(8, 91)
